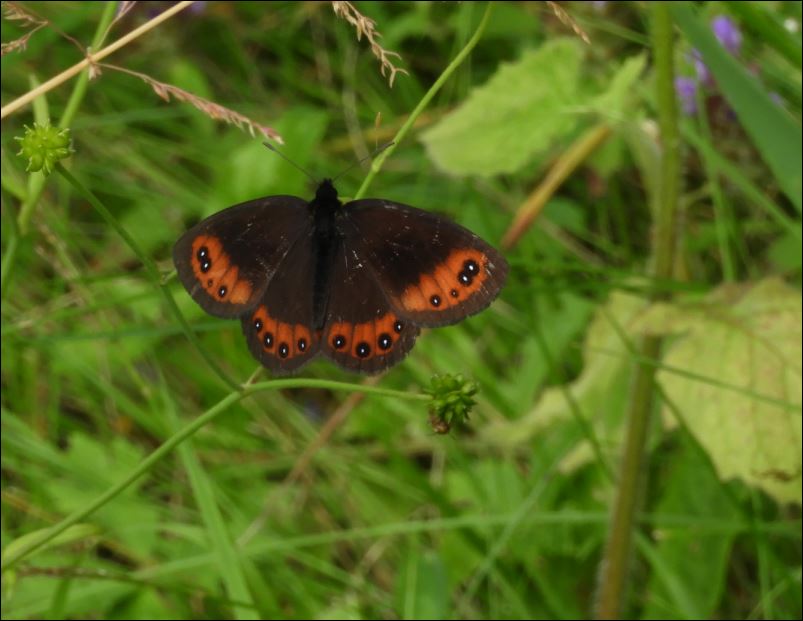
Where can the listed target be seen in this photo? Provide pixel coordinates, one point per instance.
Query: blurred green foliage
(269, 512)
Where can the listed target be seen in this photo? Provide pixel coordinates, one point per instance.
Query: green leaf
(747, 416)
(518, 113)
(614, 102)
(776, 135)
(424, 588)
(78, 532)
(689, 571)
(768, 27)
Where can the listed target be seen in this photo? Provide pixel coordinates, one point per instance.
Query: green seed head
(43, 146)
(452, 400)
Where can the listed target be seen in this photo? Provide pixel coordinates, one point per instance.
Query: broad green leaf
(614, 102)
(739, 391)
(777, 135)
(692, 568)
(519, 112)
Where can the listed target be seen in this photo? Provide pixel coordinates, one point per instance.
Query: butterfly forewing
(432, 271)
(226, 261)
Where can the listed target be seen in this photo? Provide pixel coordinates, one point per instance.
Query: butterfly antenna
(376, 151)
(287, 159)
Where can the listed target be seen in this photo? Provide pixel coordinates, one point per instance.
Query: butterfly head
(326, 195)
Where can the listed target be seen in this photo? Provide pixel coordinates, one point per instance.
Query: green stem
(376, 165)
(9, 256)
(632, 480)
(76, 97)
(79, 88)
(161, 452)
(37, 184)
(152, 271)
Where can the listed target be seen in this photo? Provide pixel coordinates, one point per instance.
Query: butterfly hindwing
(226, 261)
(280, 329)
(432, 271)
(362, 332)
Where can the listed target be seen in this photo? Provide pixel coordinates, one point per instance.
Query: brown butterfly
(353, 281)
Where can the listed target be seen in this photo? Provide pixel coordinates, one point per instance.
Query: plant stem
(37, 181)
(376, 165)
(151, 269)
(618, 550)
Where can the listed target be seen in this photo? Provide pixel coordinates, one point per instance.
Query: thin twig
(14, 12)
(62, 77)
(567, 19)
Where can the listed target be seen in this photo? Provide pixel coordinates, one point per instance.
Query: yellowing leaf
(748, 415)
(599, 393)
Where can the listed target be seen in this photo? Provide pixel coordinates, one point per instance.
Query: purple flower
(730, 37)
(703, 74)
(686, 89)
(727, 33)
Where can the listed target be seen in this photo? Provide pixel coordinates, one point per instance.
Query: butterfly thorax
(326, 196)
(326, 242)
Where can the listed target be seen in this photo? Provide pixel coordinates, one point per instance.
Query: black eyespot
(203, 252)
(465, 278)
(339, 342)
(302, 344)
(268, 340)
(222, 291)
(258, 324)
(284, 349)
(398, 327)
(454, 293)
(205, 265)
(363, 350)
(435, 300)
(471, 267)
(384, 341)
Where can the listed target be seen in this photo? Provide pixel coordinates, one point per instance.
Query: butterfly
(355, 282)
